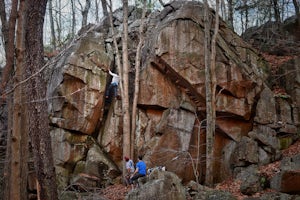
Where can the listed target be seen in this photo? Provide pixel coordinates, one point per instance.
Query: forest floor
(119, 191)
(233, 186)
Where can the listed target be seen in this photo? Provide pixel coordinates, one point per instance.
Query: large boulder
(171, 105)
(171, 114)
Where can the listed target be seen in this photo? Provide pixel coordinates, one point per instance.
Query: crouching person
(129, 170)
(140, 170)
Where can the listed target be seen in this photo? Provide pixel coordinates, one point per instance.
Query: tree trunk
(36, 100)
(210, 83)
(58, 23)
(125, 98)
(53, 37)
(19, 118)
(230, 14)
(104, 7)
(97, 11)
(73, 18)
(246, 15)
(123, 72)
(209, 98)
(242, 21)
(10, 48)
(12, 140)
(296, 5)
(85, 12)
(4, 24)
(223, 10)
(209, 149)
(137, 78)
(17, 148)
(8, 153)
(276, 11)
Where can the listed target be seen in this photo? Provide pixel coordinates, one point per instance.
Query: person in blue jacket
(140, 170)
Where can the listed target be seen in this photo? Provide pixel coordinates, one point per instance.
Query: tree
(29, 36)
(275, 6)
(73, 18)
(37, 114)
(58, 17)
(296, 6)
(9, 41)
(16, 154)
(97, 11)
(104, 7)
(85, 12)
(123, 69)
(137, 77)
(210, 87)
(230, 14)
(19, 144)
(53, 37)
(4, 24)
(125, 79)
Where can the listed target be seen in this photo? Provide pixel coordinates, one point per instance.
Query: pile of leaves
(269, 170)
(115, 192)
(276, 61)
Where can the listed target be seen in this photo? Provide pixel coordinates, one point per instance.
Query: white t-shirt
(115, 77)
(130, 165)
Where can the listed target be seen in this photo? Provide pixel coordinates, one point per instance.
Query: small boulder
(162, 185)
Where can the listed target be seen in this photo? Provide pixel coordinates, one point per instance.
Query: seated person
(140, 170)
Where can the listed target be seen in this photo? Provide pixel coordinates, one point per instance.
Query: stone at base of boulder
(161, 185)
(142, 180)
(274, 195)
(70, 195)
(287, 182)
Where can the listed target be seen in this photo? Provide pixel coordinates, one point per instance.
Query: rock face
(77, 83)
(87, 133)
(76, 87)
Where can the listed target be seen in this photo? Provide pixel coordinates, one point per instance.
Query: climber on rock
(113, 87)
